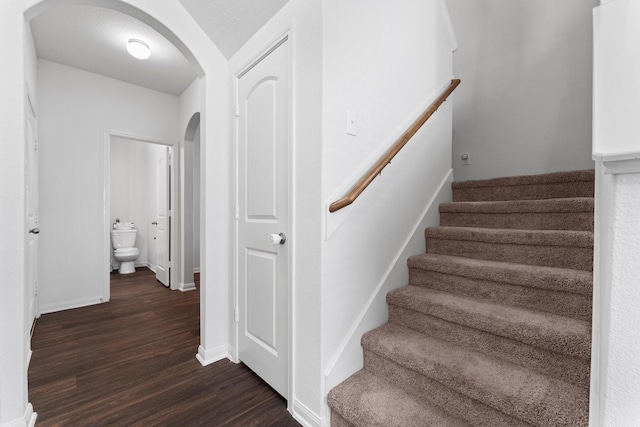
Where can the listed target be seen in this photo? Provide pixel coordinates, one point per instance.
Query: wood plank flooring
(131, 362)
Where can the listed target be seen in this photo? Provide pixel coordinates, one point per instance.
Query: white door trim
(175, 241)
(291, 238)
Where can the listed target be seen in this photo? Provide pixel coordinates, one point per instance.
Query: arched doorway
(171, 20)
(191, 168)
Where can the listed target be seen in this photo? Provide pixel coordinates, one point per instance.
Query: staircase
(494, 328)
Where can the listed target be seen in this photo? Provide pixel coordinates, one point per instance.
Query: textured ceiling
(93, 39)
(231, 23)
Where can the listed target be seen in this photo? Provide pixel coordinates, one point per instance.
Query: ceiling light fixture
(138, 49)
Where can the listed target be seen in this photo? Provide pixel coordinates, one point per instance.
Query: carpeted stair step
(513, 390)
(547, 186)
(564, 335)
(560, 291)
(365, 399)
(572, 369)
(549, 214)
(457, 404)
(494, 329)
(552, 248)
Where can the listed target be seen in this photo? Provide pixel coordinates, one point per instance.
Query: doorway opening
(141, 203)
(172, 29)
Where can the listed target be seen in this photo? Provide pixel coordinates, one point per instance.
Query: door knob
(277, 239)
(154, 223)
(34, 231)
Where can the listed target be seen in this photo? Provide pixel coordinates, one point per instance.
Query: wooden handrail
(377, 169)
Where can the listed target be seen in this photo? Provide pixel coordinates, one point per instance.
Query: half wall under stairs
(494, 328)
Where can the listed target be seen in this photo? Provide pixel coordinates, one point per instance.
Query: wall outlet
(466, 158)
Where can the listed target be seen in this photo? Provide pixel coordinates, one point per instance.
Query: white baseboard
(186, 287)
(196, 270)
(207, 357)
(306, 416)
(68, 305)
(27, 420)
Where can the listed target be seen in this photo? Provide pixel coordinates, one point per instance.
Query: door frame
(291, 238)
(31, 119)
(175, 190)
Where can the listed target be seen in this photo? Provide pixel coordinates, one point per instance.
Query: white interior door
(163, 219)
(263, 211)
(31, 180)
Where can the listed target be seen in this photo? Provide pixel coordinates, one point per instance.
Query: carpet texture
(494, 327)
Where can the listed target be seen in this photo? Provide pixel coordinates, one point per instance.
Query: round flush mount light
(138, 49)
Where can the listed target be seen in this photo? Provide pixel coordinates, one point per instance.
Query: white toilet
(123, 240)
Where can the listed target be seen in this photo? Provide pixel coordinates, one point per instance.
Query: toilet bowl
(126, 256)
(123, 241)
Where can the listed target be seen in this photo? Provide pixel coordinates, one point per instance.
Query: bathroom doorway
(140, 195)
(133, 184)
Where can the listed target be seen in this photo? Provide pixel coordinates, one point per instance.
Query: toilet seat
(127, 251)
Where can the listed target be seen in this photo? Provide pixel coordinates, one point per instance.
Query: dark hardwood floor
(131, 362)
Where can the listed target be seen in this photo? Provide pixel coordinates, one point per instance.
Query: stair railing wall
(394, 213)
(387, 79)
(376, 170)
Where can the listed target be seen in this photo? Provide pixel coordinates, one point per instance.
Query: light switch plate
(352, 124)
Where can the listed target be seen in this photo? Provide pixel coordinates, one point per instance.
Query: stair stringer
(349, 357)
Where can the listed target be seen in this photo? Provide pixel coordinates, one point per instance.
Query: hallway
(132, 362)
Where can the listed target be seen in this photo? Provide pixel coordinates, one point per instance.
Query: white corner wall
(18, 70)
(190, 103)
(524, 105)
(76, 108)
(616, 81)
(615, 372)
(620, 392)
(386, 70)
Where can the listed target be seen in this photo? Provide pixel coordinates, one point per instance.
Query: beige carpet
(494, 327)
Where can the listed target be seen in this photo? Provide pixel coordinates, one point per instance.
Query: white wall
(615, 372)
(197, 165)
(19, 66)
(190, 105)
(133, 192)
(303, 20)
(387, 69)
(615, 382)
(616, 81)
(76, 108)
(524, 105)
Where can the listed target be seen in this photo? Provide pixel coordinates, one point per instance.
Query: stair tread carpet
(511, 389)
(571, 369)
(565, 238)
(365, 400)
(559, 279)
(544, 186)
(548, 214)
(566, 205)
(552, 248)
(470, 410)
(552, 332)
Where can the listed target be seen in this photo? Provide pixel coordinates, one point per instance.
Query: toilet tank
(123, 238)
